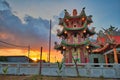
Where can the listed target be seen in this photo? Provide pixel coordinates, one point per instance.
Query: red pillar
(71, 39)
(70, 56)
(87, 59)
(79, 38)
(66, 61)
(66, 57)
(82, 56)
(115, 55)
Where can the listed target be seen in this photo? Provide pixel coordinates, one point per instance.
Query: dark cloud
(33, 32)
(4, 5)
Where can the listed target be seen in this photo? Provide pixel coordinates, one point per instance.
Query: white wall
(85, 70)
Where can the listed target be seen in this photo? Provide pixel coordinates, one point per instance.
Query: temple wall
(99, 56)
(111, 58)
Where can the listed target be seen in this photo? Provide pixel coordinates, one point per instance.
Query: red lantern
(84, 31)
(67, 20)
(87, 47)
(64, 47)
(83, 18)
(65, 32)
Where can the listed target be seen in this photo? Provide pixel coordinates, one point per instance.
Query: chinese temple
(76, 44)
(108, 41)
(75, 36)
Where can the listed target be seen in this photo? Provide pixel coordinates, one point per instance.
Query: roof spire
(83, 12)
(83, 8)
(66, 13)
(74, 12)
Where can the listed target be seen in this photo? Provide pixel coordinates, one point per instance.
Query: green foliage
(5, 70)
(60, 65)
(75, 61)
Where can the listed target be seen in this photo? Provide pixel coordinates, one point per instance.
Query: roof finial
(83, 8)
(74, 12)
(66, 13)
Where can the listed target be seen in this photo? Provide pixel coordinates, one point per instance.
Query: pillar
(87, 59)
(115, 55)
(66, 57)
(70, 56)
(82, 57)
(106, 59)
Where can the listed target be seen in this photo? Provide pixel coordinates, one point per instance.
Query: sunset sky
(26, 22)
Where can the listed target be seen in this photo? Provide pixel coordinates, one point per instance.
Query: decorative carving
(74, 12)
(61, 21)
(93, 29)
(58, 31)
(66, 13)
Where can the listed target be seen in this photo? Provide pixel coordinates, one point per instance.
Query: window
(75, 34)
(74, 25)
(95, 60)
(75, 49)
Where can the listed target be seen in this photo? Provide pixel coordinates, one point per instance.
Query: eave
(75, 44)
(75, 29)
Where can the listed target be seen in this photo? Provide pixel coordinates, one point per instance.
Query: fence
(85, 70)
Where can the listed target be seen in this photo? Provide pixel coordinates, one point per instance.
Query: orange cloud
(6, 36)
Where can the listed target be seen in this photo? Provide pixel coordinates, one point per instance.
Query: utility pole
(49, 42)
(40, 61)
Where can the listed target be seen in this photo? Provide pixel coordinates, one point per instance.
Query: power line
(13, 44)
(18, 46)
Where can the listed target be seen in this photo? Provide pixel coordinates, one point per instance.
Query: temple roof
(68, 16)
(75, 44)
(101, 49)
(75, 16)
(65, 44)
(116, 38)
(83, 12)
(106, 43)
(77, 29)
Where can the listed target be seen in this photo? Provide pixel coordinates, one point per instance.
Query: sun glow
(34, 54)
(35, 59)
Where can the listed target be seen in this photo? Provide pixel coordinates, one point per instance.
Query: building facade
(75, 36)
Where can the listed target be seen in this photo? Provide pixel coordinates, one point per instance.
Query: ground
(36, 77)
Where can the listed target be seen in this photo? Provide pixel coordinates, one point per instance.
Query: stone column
(115, 55)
